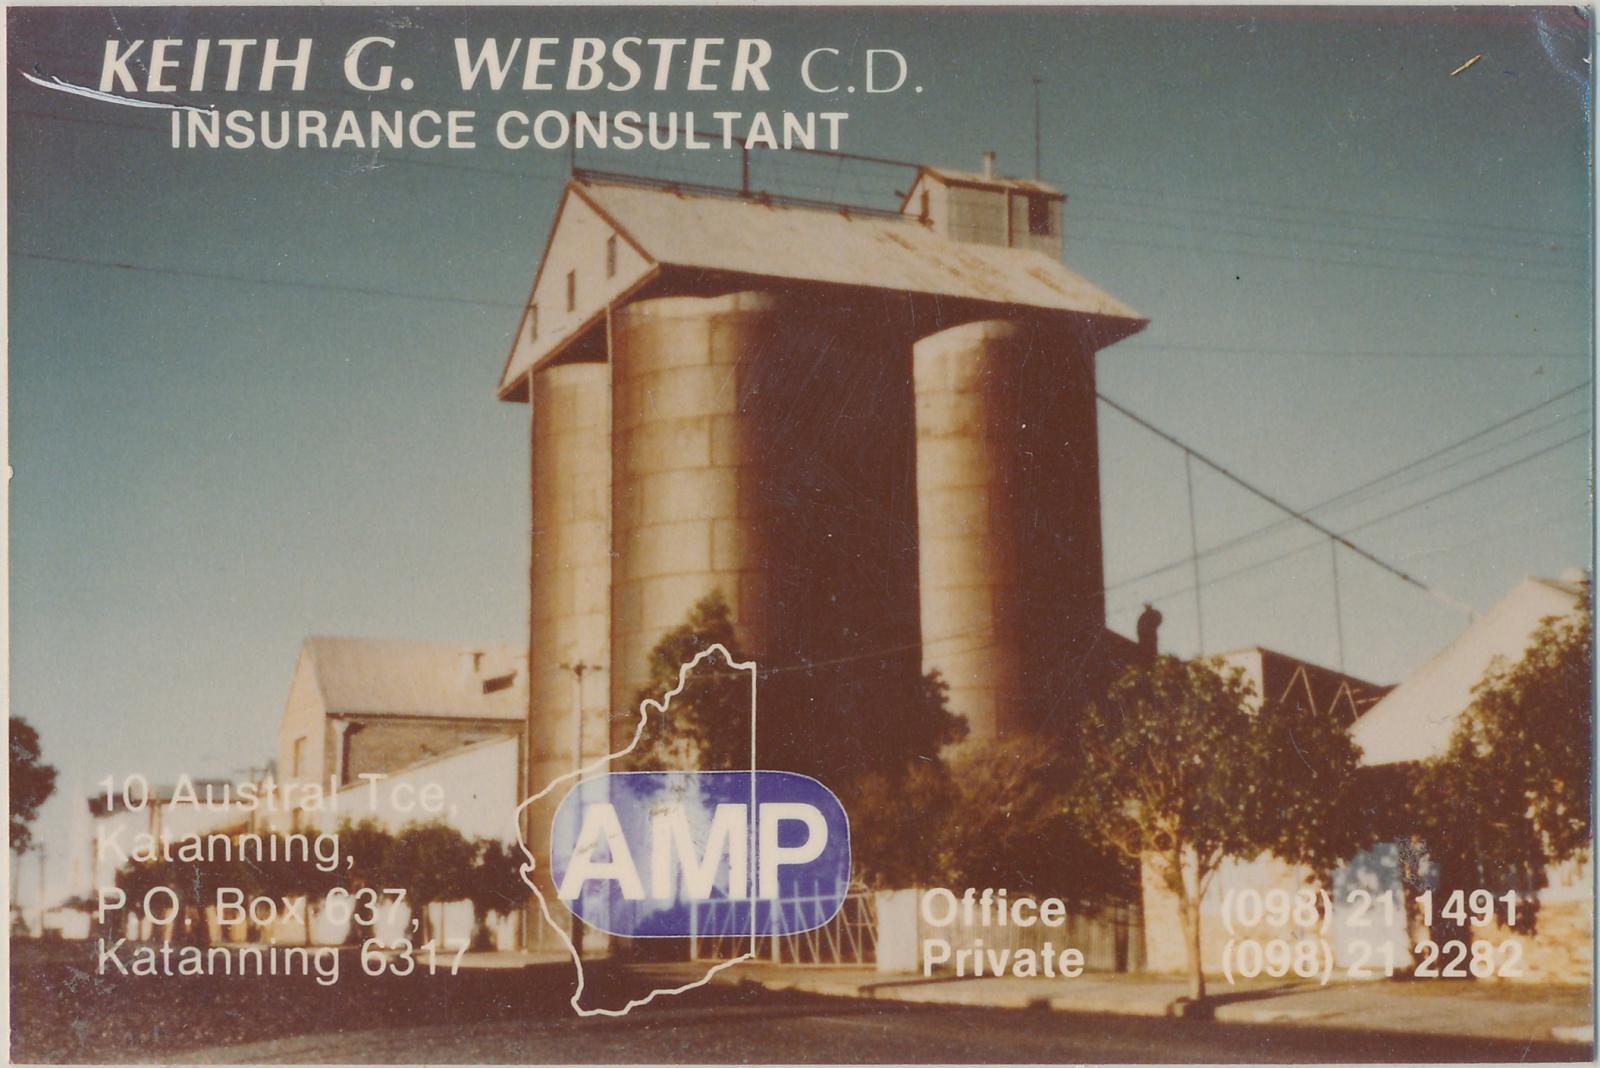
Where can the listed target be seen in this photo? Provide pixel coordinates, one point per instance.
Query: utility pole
(578, 670)
(40, 847)
(1038, 134)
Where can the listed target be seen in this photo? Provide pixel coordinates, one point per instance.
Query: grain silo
(872, 433)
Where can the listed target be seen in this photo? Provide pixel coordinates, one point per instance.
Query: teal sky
(1350, 258)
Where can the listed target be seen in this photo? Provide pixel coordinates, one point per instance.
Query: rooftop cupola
(987, 209)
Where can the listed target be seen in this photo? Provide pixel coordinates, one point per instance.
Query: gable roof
(1415, 721)
(376, 676)
(730, 234)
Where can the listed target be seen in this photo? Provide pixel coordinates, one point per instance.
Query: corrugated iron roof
(411, 678)
(762, 239)
(808, 244)
(1025, 185)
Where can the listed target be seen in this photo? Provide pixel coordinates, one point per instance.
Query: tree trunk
(1190, 911)
(1184, 879)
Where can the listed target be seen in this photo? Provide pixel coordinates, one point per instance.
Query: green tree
(814, 719)
(32, 783)
(1001, 816)
(370, 849)
(707, 726)
(900, 826)
(433, 862)
(294, 876)
(135, 879)
(1179, 766)
(1512, 794)
(494, 886)
(1016, 827)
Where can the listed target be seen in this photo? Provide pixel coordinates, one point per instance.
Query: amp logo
(671, 854)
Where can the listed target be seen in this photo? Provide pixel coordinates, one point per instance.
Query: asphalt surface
(63, 1012)
(799, 1029)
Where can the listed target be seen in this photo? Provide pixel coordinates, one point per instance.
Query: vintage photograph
(735, 534)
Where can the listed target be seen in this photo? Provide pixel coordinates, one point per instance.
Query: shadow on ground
(63, 1012)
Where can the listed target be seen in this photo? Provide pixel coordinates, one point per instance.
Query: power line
(1136, 346)
(1257, 565)
(396, 294)
(1328, 210)
(1282, 506)
(282, 283)
(1347, 494)
(1414, 505)
(1256, 254)
(1337, 243)
(1356, 497)
(1576, 241)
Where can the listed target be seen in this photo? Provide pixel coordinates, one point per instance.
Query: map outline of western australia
(578, 775)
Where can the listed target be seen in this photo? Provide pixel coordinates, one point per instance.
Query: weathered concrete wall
(303, 719)
(570, 570)
(570, 588)
(686, 520)
(1008, 500)
(1163, 931)
(763, 449)
(1558, 949)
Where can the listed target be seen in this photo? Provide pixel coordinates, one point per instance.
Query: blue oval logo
(674, 854)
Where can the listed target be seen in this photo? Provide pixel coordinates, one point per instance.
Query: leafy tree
(32, 782)
(1000, 817)
(1513, 792)
(707, 726)
(813, 717)
(494, 886)
(1016, 827)
(296, 877)
(900, 826)
(1178, 764)
(370, 849)
(433, 862)
(135, 879)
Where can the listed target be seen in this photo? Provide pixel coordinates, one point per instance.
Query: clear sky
(1350, 258)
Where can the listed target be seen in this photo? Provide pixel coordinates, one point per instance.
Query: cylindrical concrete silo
(687, 512)
(570, 576)
(1008, 519)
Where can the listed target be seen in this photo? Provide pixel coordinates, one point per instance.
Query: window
(924, 215)
(1039, 216)
(611, 256)
(297, 761)
(533, 322)
(572, 291)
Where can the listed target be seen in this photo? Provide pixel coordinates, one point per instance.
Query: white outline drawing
(61, 86)
(638, 732)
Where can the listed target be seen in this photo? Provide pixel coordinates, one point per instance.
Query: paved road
(806, 1029)
(63, 1011)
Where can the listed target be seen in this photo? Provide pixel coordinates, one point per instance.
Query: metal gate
(849, 937)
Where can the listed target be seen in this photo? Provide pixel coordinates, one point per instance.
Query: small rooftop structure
(614, 239)
(988, 209)
(1416, 720)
